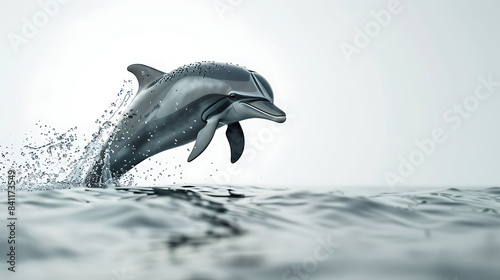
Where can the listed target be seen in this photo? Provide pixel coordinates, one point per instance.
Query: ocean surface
(237, 233)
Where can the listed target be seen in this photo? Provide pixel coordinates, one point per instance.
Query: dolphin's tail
(92, 169)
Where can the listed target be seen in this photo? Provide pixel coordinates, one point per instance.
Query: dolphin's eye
(232, 95)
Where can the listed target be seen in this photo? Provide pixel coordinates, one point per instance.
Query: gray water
(254, 233)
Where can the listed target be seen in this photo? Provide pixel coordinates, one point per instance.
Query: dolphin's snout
(265, 110)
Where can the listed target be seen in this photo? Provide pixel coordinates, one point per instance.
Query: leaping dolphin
(185, 105)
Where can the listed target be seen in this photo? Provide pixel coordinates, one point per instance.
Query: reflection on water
(254, 233)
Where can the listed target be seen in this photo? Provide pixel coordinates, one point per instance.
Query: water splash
(61, 159)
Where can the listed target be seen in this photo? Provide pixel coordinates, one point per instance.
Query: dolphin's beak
(264, 110)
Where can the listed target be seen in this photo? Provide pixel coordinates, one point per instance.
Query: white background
(348, 121)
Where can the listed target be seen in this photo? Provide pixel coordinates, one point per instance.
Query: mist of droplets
(56, 161)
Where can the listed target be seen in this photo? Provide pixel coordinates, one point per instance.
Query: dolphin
(188, 104)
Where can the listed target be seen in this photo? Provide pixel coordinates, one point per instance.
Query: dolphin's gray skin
(185, 105)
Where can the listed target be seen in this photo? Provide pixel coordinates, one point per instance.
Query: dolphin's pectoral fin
(236, 139)
(145, 75)
(204, 137)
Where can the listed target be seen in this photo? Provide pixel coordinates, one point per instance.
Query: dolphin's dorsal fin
(145, 74)
(234, 134)
(204, 137)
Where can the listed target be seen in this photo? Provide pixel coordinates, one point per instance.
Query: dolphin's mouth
(266, 110)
